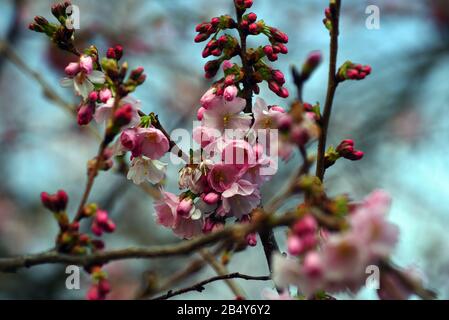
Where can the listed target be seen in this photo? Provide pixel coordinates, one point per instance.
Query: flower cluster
(352, 71)
(338, 261)
(71, 240)
(344, 150)
(254, 70)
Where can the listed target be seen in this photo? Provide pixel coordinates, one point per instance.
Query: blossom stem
(93, 172)
(247, 69)
(331, 89)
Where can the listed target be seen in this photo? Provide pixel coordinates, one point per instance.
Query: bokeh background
(398, 116)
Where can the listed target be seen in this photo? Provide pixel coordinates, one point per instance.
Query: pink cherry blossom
(148, 142)
(240, 199)
(104, 111)
(222, 177)
(166, 215)
(82, 76)
(222, 114)
(230, 93)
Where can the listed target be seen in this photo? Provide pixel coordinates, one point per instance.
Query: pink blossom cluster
(335, 262)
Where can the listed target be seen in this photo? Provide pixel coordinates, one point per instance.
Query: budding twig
(331, 88)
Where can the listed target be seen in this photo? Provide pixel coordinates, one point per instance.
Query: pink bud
(124, 115)
(93, 96)
(278, 76)
(268, 50)
(85, 115)
(102, 217)
(230, 93)
(313, 265)
(251, 239)
(184, 207)
(283, 93)
(86, 64)
(252, 17)
(72, 69)
(105, 95)
(96, 229)
(306, 225)
(253, 28)
(109, 227)
(294, 245)
(227, 64)
(211, 198)
(93, 293)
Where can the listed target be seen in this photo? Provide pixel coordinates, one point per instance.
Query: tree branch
(200, 285)
(232, 233)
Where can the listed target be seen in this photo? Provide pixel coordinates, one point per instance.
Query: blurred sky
(398, 116)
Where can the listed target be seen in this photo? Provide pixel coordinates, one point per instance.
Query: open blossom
(222, 114)
(104, 111)
(264, 117)
(148, 142)
(166, 215)
(341, 262)
(143, 169)
(83, 76)
(240, 199)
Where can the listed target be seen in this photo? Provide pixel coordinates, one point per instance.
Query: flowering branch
(333, 23)
(231, 234)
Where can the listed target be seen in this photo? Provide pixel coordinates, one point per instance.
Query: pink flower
(240, 199)
(222, 114)
(82, 76)
(166, 209)
(148, 142)
(264, 117)
(104, 111)
(222, 177)
(105, 95)
(204, 136)
(370, 227)
(166, 213)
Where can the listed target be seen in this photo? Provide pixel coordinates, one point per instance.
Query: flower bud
(55, 202)
(211, 198)
(184, 207)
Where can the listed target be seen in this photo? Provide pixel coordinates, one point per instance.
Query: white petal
(156, 171)
(66, 82)
(97, 77)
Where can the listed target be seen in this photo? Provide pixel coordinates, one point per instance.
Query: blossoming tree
(240, 140)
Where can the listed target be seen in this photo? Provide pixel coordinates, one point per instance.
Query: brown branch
(234, 233)
(331, 88)
(221, 270)
(200, 285)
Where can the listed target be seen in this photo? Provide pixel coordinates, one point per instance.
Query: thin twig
(331, 88)
(221, 270)
(200, 285)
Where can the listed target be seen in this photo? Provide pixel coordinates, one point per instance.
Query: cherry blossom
(82, 76)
